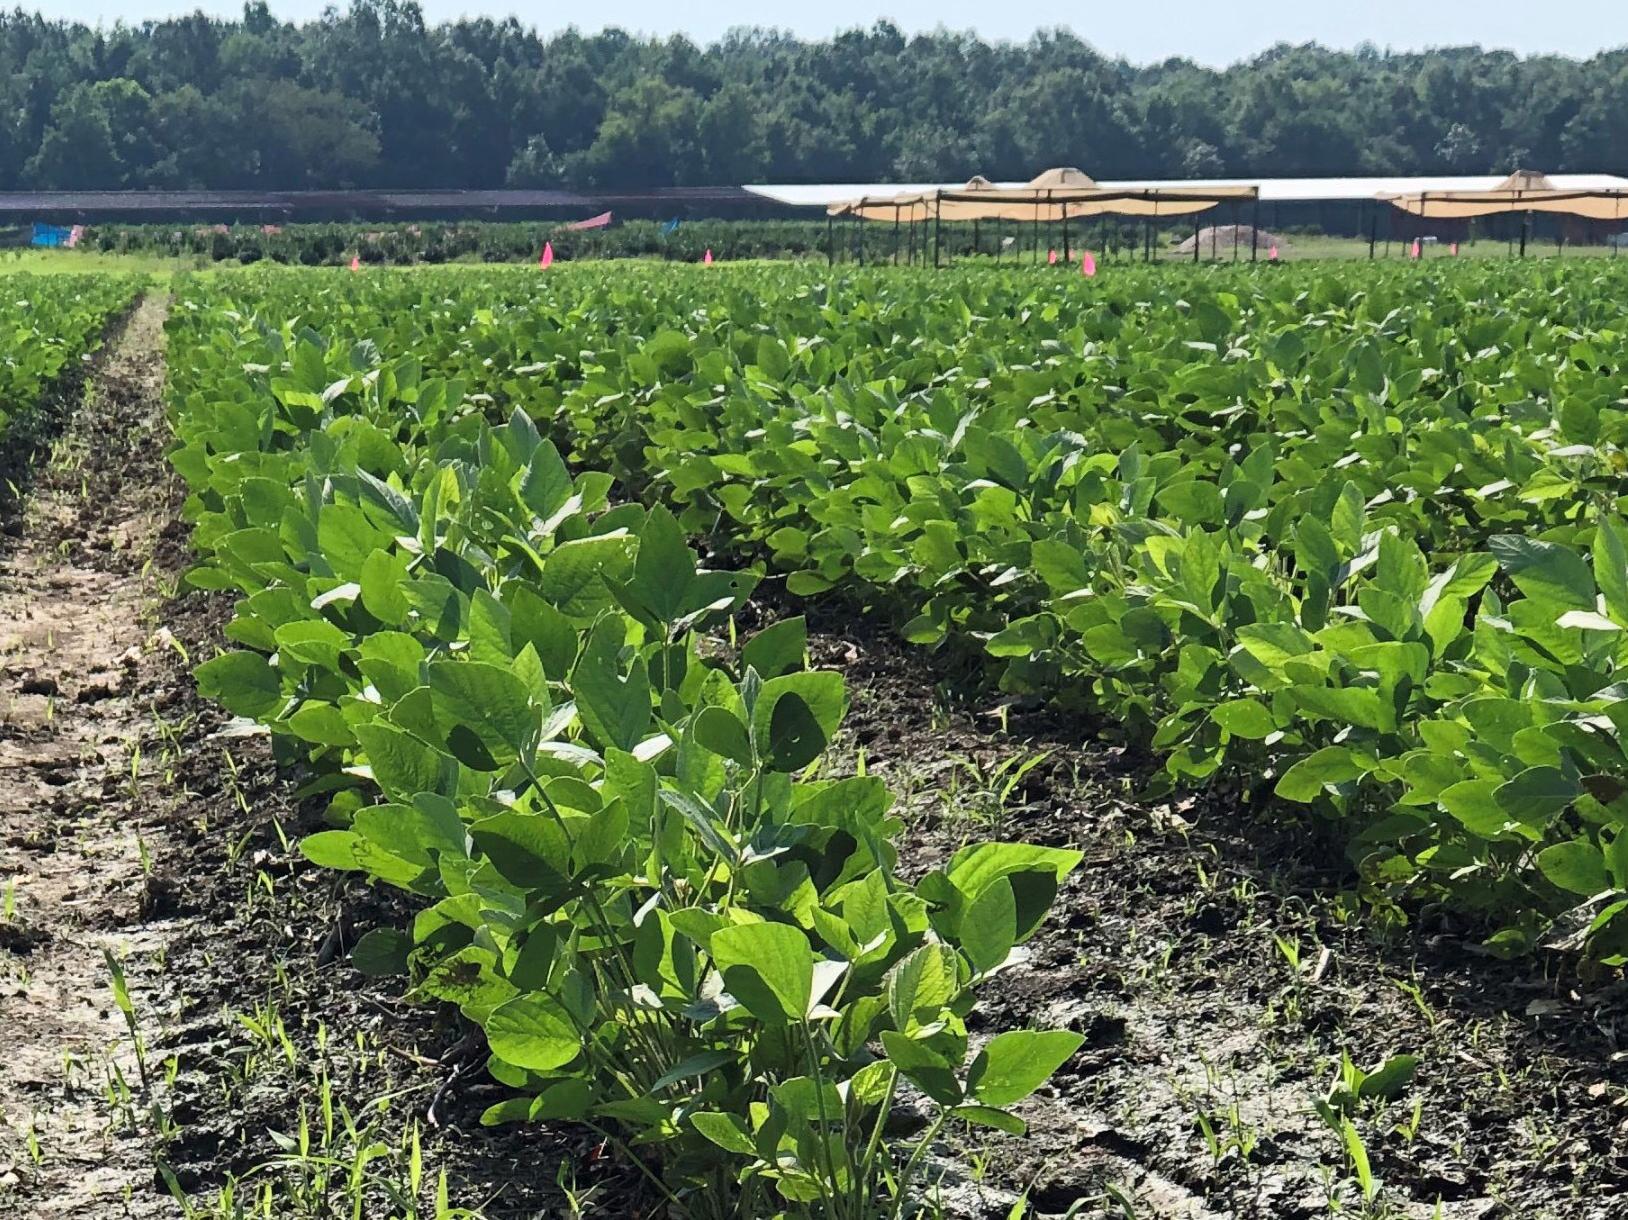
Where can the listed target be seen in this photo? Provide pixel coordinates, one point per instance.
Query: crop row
(1358, 537)
(674, 918)
(46, 324)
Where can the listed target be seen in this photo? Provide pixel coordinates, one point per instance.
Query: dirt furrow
(140, 825)
(79, 816)
(1219, 967)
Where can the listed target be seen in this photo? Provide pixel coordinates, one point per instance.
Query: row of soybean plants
(1352, 530)
(641, 875)
(47, 324)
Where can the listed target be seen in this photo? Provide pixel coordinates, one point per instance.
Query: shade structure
(1063, 178)
(1526, 180)
(1522, 191)
(1060, 194)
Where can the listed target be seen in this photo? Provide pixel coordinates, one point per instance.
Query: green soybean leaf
(615, 707)
(528, 849)
(1577, 867)
(988, 1116)
(923, 1067)
(728, 1131)
(1306, 779)
(547, 483)
(1389, 1079)
(1611, 566)
(768, 967)
(718, 729)
(1014, 1064)
(921, 985)
(533, 1032)
(383, 951)
(402, 765)
(777, 649)
(989, 927)
(663, 571)
(791, 739)
(244, 683)
(1035, 873)
(488, 701)
(331, 849)
(1537, 794)
(1247, 718)
(1472, 802)
(381, 582)
(1545, 571)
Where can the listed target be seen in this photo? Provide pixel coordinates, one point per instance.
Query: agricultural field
(787, 741)
(48, 326)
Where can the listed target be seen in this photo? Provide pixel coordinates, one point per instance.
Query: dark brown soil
(140, 822)
(1164, 951)
(137, 820)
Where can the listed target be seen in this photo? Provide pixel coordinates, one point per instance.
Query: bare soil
(139, 822)
(1170, 951)
(75, 636)
(1204, 949)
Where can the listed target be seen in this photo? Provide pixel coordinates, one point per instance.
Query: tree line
(372, 96)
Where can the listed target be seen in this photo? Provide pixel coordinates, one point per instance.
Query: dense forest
(373, 96)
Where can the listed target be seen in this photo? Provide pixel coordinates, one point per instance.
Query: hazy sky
(1210, 31)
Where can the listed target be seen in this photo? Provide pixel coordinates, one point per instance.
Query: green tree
(731, 134)
(300, 137)
(97, 138)
(534, 166)
(648, 138)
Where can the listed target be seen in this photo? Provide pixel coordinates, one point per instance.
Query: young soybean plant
(671, 928)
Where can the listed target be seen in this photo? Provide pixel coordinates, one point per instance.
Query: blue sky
(1210, 31)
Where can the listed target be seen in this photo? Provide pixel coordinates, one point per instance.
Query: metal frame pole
(1197, 229)
(895, 235)
(1255, 231)
(830, 240)
(1373, 232)
(938, 225)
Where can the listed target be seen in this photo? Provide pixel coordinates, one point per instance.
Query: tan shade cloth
(1056, 195)
(1063, 177)
(1460, 205)
(1526, 180)
(1525, 190)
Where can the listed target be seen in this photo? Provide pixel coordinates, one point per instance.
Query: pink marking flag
(1051, 258)
(546, 258)
(1272, 254)
(707, 257)
(1453, 249)
(1414, 250)
(355, 262)
(1088, 264)
(593, 222)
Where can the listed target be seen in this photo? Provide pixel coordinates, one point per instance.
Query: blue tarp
(51, 235)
